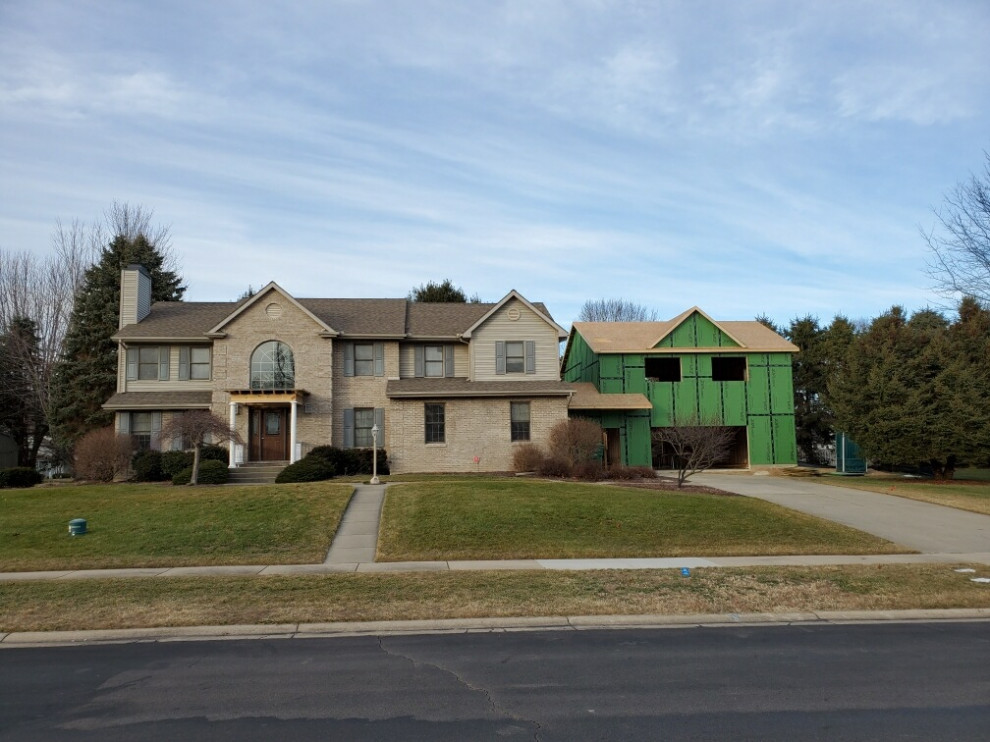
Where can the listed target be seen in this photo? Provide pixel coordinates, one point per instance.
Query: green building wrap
(734, 374)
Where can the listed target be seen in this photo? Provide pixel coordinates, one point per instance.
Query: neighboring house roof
(639, 337)
(587, 397)
(458, 387)
(356, 318)
(158, 400)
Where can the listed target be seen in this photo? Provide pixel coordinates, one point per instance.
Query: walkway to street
(357, 536)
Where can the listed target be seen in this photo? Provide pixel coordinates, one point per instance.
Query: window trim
(516, 432)
(439, 427)
(268, 381)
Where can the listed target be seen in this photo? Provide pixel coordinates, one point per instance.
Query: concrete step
(256, 472)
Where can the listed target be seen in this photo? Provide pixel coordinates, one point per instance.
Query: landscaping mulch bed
(666, 484)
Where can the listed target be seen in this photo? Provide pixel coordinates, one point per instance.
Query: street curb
(28, 639)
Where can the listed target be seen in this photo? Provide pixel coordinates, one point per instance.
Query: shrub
(553, 466)
(590, 471)
(20, 476)
(101, 455)
(310, 469)
(576, 441)
(347, 462)
(527, 457)
(147, 466)
(173, 462)
(214, 453)
(210, 472)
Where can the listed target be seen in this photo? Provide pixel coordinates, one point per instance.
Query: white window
(199, 363)
(272, 367)
(364, 359)
(515, 357)
(141, 430)
(364, 419)
(435, 422)
(519, 420)
(433, 360)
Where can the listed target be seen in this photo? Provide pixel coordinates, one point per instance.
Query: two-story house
(450, 387)
(636, 377)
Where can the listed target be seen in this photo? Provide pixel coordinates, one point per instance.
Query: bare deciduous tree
(960, 242)
(615, 310)
(194, 426)
(696, 445)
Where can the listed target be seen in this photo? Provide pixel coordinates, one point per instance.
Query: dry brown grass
(962, 494)
(151, 602)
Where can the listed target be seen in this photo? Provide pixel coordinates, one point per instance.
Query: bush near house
(147, 466)
(350, 461)
(19, 476)
(309, 469)
(101, 455)
(527, 457)
(210, 472)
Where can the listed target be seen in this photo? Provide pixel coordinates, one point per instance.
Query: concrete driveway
(931, 529)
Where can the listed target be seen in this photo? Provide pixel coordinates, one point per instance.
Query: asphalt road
(820, 682)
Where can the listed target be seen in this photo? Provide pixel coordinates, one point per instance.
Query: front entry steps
(256, 472)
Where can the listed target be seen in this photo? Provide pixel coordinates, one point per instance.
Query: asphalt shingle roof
(350, 317)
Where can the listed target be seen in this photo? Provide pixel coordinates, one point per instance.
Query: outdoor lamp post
(374, 454)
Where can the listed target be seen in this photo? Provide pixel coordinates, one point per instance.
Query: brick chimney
(135, 294)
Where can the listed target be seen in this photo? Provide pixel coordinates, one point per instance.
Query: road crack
(493, 704)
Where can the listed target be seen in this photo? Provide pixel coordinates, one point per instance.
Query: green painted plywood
(696, 331)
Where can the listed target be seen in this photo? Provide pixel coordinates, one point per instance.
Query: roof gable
(513, 294)
(695, 329)
(218, 330)
(690, 331)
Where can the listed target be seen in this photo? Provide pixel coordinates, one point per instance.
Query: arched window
(272, 366)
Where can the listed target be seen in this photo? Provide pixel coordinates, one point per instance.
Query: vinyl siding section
(529, 326)
(407, 359)
(172, 385)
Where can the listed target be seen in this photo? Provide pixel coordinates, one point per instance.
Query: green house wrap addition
(634, 377)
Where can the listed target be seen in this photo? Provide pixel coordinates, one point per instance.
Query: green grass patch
(532, 519)
(189, 601)
(964, 494)
(154, 525)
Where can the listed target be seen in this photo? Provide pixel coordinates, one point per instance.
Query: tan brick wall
(313, 356)
(474, 428)
(361, 391)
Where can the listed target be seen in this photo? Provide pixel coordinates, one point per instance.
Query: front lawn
(154, 525)
(537, 519)
(964, 494)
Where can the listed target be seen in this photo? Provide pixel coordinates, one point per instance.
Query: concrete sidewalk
(810, 560)
(357, 536)
(917, 525)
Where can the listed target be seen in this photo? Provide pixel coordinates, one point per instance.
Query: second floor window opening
(272, 367)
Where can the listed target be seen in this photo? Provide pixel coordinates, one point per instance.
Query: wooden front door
(269, 434)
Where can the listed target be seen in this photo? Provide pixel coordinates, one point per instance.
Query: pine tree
(22, 415)
(916, 391)
(86, 376)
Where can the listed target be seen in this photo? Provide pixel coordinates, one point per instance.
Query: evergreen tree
(86, 376)
(440, 292)
(916, 391)
(22, 415)
(812, 419)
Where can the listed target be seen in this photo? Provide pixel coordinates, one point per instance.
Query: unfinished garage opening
(665, 457)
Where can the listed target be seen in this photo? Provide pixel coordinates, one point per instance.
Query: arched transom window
(272, 366)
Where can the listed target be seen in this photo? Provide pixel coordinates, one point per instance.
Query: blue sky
(758, 157)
